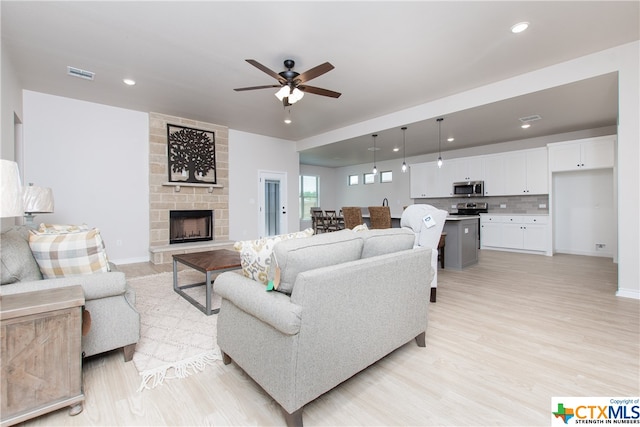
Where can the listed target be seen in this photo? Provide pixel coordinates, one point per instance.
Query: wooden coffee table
(209, 262)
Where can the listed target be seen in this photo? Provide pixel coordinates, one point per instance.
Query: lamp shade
(10, 190)
(37, 199)
(283, 92)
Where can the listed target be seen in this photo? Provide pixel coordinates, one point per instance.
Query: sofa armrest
(95, 286)
(273, 308)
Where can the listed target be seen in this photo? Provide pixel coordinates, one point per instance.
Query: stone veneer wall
(163, 198)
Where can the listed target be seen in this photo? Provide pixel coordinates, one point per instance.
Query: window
(309, 195)
(353, 179)
(369, 178)
(386, 176)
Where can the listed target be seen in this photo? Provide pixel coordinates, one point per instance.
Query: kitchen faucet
(385, 202)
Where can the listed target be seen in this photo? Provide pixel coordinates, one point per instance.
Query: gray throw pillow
(18, 264)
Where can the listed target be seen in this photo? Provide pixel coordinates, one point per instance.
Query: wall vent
(83, 74)
(532, 118)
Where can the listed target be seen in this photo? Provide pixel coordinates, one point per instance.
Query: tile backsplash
(512, 204)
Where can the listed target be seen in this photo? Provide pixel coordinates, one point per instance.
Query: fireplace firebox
(190, 226)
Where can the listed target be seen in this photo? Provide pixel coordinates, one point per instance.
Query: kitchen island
(461, 249)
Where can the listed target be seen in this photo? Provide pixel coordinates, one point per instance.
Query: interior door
(273, 210)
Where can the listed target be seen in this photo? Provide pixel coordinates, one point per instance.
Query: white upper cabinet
(504, 174)
(429, 181)
(526, 172)
(419, 177)
(591, 153)
(495, 175)
(464, 169)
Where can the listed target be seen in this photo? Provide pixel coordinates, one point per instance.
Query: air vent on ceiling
(83, 74)
(532, 118)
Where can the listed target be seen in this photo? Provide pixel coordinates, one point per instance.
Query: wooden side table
(41, 353)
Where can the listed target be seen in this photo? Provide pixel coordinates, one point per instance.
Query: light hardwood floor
(504, 337)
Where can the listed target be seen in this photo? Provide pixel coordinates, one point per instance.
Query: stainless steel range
(472, 208)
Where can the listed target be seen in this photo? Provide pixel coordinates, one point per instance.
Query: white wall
(584, 212)
(95, 158)
(10, 111)
(329, 187)
(396, 192)
(625, 60)
(249, 153)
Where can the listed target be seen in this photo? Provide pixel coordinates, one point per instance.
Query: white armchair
(426, 236)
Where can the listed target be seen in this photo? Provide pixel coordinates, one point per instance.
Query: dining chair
(352, 216)
(380, 216)
(331, 220)
(317, 220)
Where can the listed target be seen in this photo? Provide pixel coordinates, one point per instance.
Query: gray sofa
(115, 323)
(354, 298)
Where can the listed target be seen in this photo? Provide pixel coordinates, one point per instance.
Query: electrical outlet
(503, 206)
(118, 242)
(454, 206)
(542, 206)
(600, 246)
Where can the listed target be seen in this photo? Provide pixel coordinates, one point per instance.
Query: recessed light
(129, 82)
(450, 139)
(396, 149)
(526, 125)
(519, 27)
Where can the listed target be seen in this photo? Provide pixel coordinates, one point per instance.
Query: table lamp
(10, 190)
(36, 200)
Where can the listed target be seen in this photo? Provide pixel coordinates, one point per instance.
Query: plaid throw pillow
(64, 253)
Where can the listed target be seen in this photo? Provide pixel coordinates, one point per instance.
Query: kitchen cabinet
(427, 181)
(461, 248)
(419, 177)
(583, 154)
(495, 175)
(463, 169)
(526, 172)
(520, 233)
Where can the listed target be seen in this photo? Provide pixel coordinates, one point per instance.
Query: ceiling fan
(291, 82)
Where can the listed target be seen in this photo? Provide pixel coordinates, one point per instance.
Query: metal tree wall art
(192, 155)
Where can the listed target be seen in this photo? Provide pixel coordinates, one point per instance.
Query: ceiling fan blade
(240, 89)
(315, 72)
(319, 91)
(264, 69)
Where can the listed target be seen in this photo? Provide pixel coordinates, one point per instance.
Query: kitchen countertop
(515, 214)
(461, 217)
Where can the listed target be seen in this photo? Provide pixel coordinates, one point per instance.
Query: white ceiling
(187, 57)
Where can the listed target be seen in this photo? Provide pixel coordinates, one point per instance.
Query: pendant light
(375, 169)
(404, 151)
(439, 141)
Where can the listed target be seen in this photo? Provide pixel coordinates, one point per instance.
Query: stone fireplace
(165, 196)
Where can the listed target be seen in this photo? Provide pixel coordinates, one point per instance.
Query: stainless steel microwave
(468, 189)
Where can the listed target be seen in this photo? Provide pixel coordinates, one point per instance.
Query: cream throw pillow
(255, 255)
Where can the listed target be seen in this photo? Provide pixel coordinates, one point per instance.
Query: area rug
(176, 339)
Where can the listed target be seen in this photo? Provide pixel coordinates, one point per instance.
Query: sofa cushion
(61, 253)
(386, 241)
(322, 250)
(255, 255)
(18, 264)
